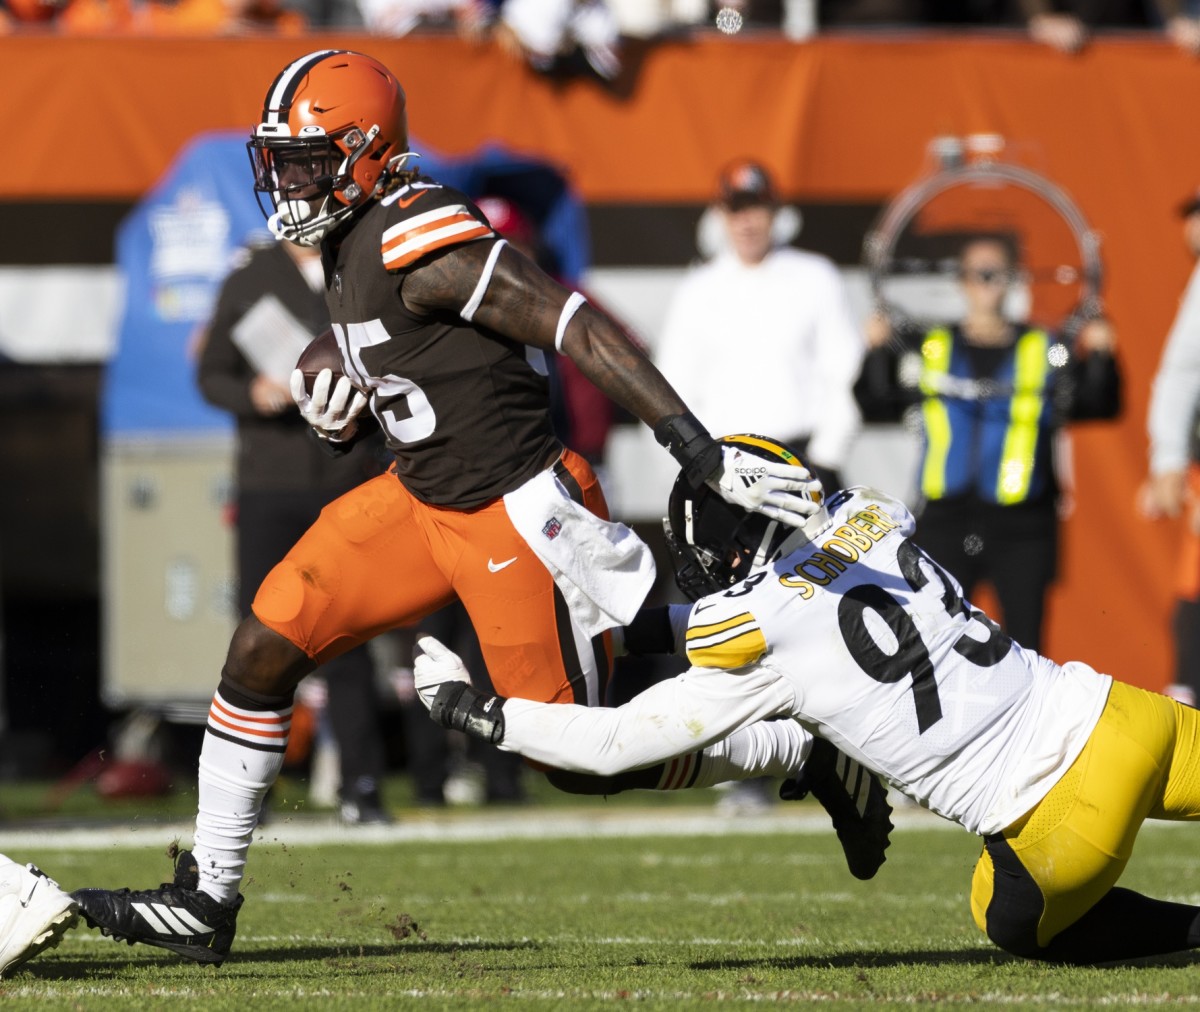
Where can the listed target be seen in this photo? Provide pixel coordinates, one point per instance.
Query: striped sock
(240, 758)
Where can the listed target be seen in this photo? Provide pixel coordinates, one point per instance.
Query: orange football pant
(378, 558)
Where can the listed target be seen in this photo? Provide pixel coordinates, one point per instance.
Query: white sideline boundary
(517, 824)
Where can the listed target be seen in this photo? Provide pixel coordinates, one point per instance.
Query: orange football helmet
(333, 128)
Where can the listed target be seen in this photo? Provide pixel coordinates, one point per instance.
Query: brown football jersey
(465, 410)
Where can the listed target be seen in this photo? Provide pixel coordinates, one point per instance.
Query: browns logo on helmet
(333, 131)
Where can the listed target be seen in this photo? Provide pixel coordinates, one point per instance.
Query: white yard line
(517, 824)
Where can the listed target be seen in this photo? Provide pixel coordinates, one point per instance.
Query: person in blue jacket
(990, 395)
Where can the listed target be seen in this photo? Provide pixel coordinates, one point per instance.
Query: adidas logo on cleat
(175, 916)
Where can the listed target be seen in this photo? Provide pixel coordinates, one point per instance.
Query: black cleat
(175, 916)
(855, 799)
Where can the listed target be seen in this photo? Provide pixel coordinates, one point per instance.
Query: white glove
(784, 492)
(333, 416)
(433, 666)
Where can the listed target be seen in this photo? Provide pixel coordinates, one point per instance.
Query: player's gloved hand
(433, 666)
(331, 414)
(787, 493)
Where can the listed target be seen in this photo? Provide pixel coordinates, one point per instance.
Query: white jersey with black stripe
(887, 661)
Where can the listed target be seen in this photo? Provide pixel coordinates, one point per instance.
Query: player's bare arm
(524, 303)
(502, 290)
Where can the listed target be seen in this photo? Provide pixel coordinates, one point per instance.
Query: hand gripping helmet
(333, 128)
(715, 544)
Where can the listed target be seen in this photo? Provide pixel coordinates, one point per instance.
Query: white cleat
(34, 913)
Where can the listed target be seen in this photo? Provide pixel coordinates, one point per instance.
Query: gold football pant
(1044, 886)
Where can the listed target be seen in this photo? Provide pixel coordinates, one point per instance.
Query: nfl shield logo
(552, 527)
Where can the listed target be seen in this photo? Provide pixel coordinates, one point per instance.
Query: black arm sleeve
(650, 632)
(689, 442)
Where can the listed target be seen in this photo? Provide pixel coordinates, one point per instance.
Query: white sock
(240, 758)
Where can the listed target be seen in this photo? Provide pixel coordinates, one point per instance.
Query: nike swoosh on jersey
(402, 202)
(495, 567)
(409, 240)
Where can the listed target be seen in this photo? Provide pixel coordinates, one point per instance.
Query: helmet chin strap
(813, 528)
(760, 557)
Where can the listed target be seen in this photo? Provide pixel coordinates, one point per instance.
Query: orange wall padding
(838, 119)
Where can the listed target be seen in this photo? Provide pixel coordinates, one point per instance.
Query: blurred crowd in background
(595, 36)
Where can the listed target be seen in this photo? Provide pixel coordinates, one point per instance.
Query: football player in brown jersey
(443, 328)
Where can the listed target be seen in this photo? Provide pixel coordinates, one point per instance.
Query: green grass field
(453, 910)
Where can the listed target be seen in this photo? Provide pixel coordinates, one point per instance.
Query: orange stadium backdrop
(841, 120)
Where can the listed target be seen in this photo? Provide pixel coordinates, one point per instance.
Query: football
(322, 353)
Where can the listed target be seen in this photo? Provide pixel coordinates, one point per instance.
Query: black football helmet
(715, 544)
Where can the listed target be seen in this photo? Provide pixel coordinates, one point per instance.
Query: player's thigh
(1046, 870)
(366, 565)
(530, 644)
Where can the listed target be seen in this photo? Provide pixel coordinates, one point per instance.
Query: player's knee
(1006, 901)
(263, 662)
(1016, 935)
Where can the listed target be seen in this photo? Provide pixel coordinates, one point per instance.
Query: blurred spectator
(647, 19)
(760, 338)
(399, 17)
(991, 395)
(551, 34)
(1065, 24)
(1181, 20)
(1173, 485)
(160, 17)
(270, 305)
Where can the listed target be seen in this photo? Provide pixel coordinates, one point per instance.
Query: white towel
(603, 569)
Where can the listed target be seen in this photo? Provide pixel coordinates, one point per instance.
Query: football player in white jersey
(848, 628)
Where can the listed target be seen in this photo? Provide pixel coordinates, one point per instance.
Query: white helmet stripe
(280, 99)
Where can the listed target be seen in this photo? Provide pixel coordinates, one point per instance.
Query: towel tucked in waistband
(603, 569)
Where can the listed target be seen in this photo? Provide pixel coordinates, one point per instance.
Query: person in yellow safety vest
(989, 395)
